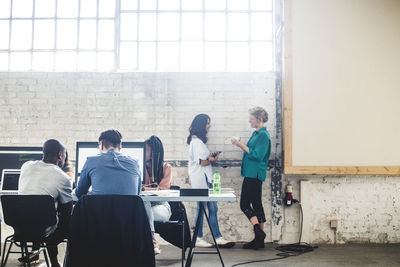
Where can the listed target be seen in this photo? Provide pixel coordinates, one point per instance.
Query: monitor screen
(10, 181)
(15, 157)
(136, 150)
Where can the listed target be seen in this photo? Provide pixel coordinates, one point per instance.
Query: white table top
(173, 195)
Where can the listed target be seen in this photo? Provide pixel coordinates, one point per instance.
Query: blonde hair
(260, 113)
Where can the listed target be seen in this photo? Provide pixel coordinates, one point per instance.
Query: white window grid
(138, 59)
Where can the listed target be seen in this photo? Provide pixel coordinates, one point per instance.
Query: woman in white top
(200, 174)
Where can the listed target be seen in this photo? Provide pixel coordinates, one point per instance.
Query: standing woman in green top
(254, 169)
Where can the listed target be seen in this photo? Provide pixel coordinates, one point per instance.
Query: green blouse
(254, 163)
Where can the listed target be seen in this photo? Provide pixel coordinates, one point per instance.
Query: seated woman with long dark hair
(158, 177)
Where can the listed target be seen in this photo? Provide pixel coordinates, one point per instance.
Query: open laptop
(9, 181)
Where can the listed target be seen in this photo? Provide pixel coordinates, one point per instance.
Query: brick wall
(78, 106)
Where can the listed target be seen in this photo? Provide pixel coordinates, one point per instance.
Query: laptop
(9, 181)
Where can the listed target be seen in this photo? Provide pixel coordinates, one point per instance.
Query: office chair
(29, 216)
(109, 230)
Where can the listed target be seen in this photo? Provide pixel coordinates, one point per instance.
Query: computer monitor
(9, 180)
(15, 157)
(136, 150)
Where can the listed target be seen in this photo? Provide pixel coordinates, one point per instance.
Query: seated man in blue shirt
(110, 172)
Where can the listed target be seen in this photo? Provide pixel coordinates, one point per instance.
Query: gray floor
(346, 255)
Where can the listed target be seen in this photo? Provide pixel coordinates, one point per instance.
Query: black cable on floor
(289, 250)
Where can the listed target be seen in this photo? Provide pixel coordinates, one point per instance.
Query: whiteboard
(341, 86)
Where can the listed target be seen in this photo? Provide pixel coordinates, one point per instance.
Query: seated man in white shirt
(45, 177)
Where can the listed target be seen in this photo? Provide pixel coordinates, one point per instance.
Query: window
(136, 35)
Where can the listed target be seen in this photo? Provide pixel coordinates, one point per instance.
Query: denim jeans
(212, 208)
(157, 212)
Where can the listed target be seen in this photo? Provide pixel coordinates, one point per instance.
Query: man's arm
(84, 181)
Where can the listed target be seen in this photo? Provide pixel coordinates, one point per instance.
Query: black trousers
(250, 200)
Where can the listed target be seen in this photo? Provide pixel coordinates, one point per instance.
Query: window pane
(87, 34)
(86, 60)
(168, 26)
(261, 4)
(192, 5)
(168, 56)
(105, 61)
(66, 34)
(106, 34)
(4, 33)
(238, 26)
(168, 4)
(238, 4)
(147, 56)
(261, 56)
(5, 8)
(67, 8)
(215, 26)
(148, 4)
(214, 56)
(215, 4)
(192, 26)
(238, 56)
(261, 26)
(44, 34)
(20, 61)
(3, 61)
(128, 26)
(147, 26)
(21, 34)
(88, 8)
(128, 56)
(22, 8)
(129, 4)
(65, 61)
(45, 8)
(106, 8)
(192, 56)
(43, 61)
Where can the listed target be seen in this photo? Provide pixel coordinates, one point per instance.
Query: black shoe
(259, 233)
(31, 258)
(254, 244)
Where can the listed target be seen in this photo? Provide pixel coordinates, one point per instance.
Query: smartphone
(216, 153)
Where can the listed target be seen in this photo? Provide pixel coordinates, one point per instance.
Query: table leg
(195, 233)
(215, 242)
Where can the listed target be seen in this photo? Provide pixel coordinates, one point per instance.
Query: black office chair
(109, 230)
(177, 230)
(29, 216)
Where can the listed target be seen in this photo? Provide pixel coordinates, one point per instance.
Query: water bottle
(217, 183)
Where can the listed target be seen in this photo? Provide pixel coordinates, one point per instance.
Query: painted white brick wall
(366, 208)
(78, 106)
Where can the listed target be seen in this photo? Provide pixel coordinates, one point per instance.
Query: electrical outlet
(333, 224)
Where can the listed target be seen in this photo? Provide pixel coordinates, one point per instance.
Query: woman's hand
(240, 145)
(236, 142)
(212, 159)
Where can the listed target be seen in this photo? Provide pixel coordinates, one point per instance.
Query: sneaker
(201, 243)
(222, 243)
(157, 249)
(32, 257)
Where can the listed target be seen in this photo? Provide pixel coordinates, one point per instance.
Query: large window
(136, 35)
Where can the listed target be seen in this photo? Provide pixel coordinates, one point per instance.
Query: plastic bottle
(217, 183)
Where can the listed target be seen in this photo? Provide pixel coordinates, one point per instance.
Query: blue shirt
(110, 173)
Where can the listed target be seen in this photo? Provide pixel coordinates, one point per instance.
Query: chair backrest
(110, 230)
(29, 215)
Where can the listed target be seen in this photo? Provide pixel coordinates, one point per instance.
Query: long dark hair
(198, 128)
(157, 157)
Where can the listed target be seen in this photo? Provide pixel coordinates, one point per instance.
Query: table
(174, 196)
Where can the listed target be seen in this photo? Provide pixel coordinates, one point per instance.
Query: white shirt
(40, 178)
(197, 173)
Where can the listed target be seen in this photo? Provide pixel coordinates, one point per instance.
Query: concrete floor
(324, 256)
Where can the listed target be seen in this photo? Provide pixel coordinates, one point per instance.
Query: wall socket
(333, 224)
